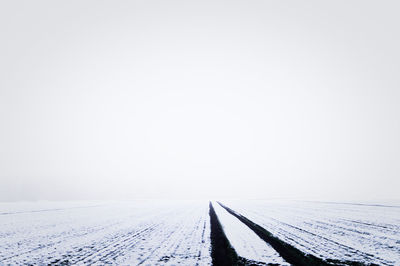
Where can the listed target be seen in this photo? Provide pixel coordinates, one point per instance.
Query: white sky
(246, 99)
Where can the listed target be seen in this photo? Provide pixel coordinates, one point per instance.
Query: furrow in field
(245, 242)
(121, 233)
(222, 252)
(330, 231)
(26, 248)
(179, 241)
(48, 210)
(289, 253)
(310, 242)
(110, 249)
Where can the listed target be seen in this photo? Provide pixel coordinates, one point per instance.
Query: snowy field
(123, 233)
(178, 232)
(245, 242)
(364, 233)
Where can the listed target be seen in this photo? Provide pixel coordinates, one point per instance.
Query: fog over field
(105, 100)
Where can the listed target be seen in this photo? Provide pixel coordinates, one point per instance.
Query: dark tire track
(287, 251)
(222, 253)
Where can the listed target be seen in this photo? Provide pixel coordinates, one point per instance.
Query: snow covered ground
(178, 232)
(245, 242)
(358, 232)
(124, 233)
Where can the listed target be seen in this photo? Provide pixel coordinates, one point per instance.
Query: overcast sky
(199, 99)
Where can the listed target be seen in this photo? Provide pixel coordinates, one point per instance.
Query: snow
(245, 242)
(178, 232)
(123, 233)
(358, 232)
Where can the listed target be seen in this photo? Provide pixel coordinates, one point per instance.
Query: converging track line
(285, 250)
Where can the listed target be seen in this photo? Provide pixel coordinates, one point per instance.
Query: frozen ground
(124, 233)
(356, 232)
(178, 232)
(245, 242)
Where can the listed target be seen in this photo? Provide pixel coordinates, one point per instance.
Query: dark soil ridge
(291, 254)
(222, 253)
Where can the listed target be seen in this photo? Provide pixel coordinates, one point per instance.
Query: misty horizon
(193, 100)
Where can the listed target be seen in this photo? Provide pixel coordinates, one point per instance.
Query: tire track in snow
(321, 244)
(287, 251)
(249, 247)
(350, 249)
(222, 252)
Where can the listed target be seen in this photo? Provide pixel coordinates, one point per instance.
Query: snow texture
(245, 242)
(98, 233)
(357, 232)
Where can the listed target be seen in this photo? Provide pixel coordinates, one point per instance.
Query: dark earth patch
(288, 252)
